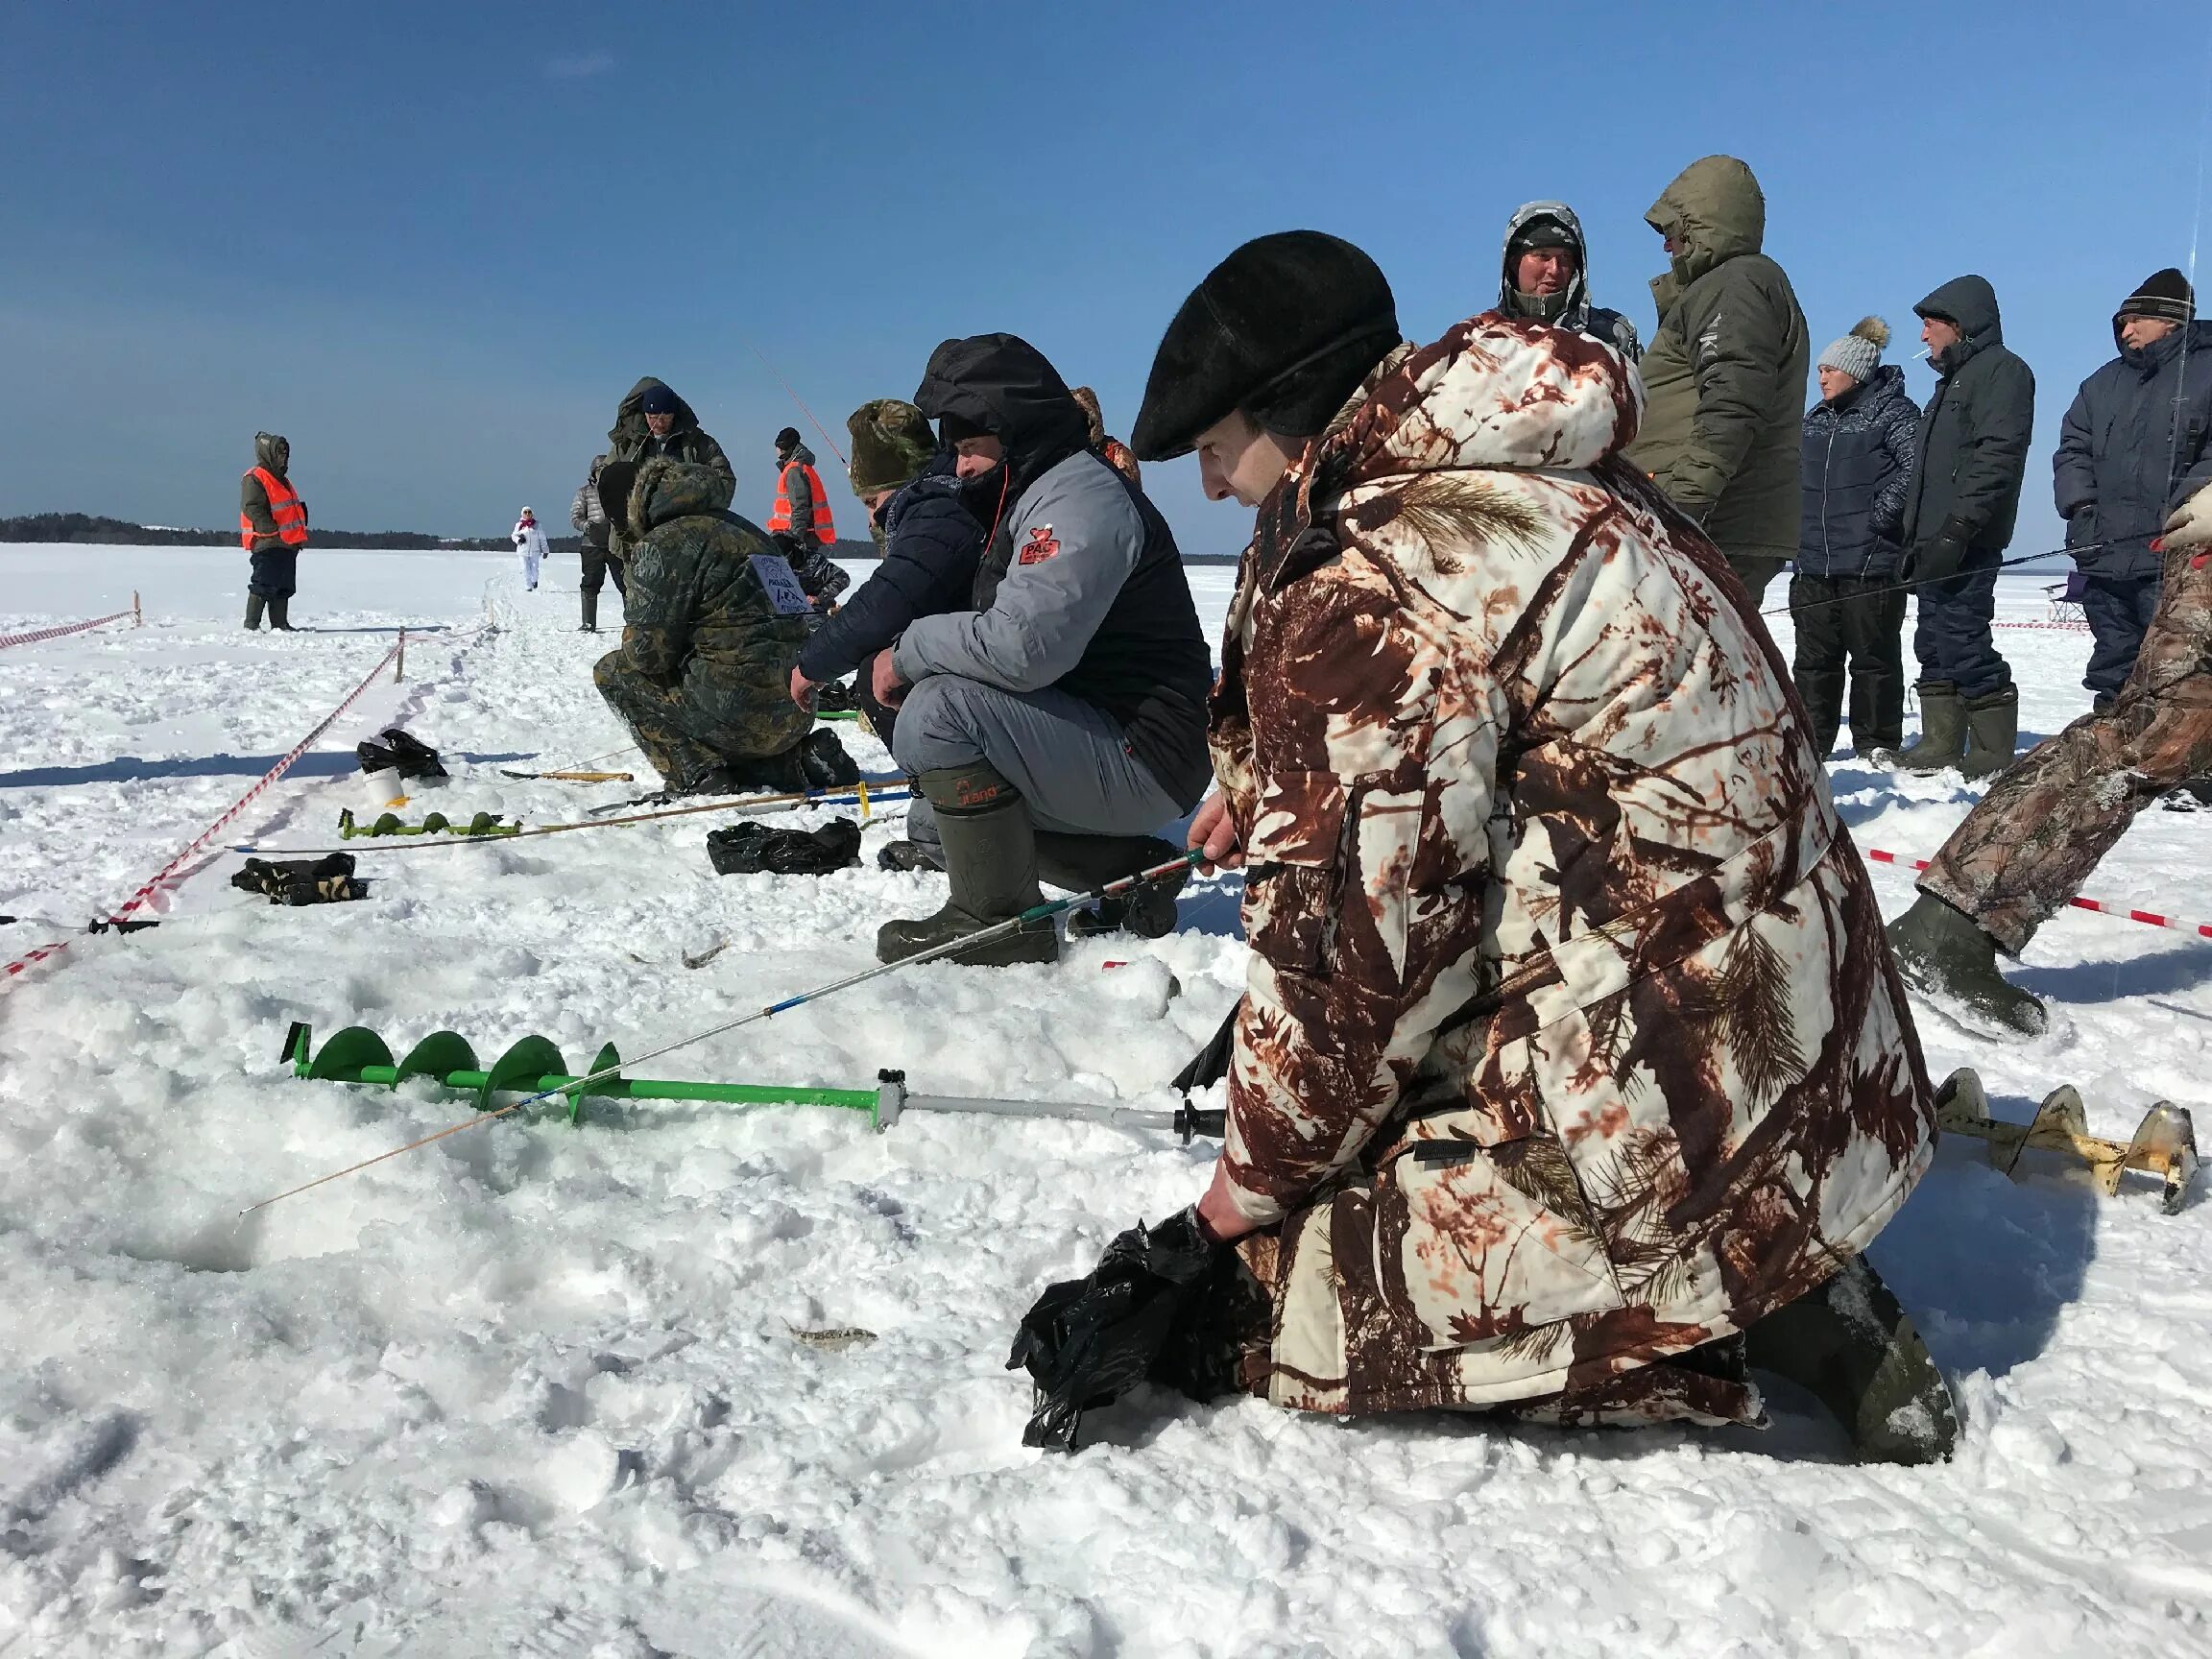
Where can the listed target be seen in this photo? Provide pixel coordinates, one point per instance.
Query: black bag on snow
(751, 847)
(835, 697)
(328, 881)
(399, 752)
(823, 760)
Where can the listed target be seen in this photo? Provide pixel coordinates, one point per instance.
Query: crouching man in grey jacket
(1057, 727)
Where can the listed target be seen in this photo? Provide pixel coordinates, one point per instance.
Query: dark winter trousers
(1859, 622)
(2119, 608)
(1953, 640)
(2055, 813)
(684, 734)
(276, 572)
(598, 566)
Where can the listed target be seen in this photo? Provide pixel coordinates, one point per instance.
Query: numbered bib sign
(786, 596)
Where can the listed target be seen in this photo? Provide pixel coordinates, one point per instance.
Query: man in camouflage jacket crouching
(714, 623)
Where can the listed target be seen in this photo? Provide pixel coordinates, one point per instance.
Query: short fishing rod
(1028, 919)
(1907, 586)
(800, 401)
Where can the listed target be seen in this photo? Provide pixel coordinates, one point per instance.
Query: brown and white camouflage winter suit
(1571, 1040)
(2050, 818)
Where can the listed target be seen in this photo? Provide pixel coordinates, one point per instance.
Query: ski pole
(1028, 919)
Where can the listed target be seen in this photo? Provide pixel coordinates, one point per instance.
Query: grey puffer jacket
(586, 516)
(2136, 445)
(1859, 453)
(1975, 433)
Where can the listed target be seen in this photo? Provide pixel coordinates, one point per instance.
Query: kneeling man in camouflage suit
(1569, 1056)
(714, 623)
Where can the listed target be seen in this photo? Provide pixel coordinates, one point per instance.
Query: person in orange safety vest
(802, 526)
(271, 527)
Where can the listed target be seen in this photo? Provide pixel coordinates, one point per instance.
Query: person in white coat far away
(530, 542)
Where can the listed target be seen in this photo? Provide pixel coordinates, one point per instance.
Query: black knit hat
(2163, 294)
(1284, 329)
(659, 399)
(786, 440)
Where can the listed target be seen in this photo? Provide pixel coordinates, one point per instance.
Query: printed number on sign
(785, 597)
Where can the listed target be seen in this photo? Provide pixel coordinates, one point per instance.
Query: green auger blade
(613, 1087)
(436, 1057)
(521, 1068)
(436, 824)
(350, 1056)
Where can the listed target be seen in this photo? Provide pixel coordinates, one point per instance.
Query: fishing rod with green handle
(1036, 915)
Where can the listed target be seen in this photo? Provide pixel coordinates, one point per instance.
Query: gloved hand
(1936, 558)
(1088, 1341)
(2190, 525)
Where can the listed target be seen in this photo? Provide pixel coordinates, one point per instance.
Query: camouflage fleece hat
(892, 445)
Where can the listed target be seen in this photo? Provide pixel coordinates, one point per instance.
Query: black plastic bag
(835, 697)
(1088, 1342)
(751, 848)
(399, 752)
(824, 763)
(327, 880)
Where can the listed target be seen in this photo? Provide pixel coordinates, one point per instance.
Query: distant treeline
(117, 532)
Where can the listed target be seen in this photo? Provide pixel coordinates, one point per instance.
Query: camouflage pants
(2054, 814)
(684, 732)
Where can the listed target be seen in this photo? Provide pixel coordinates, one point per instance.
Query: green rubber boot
(1849, 1343)
(1082, 862)
(1992, 733)
(280, 614)
(991, 857)
(254, 605)
(1942, 739)
(1942, 952)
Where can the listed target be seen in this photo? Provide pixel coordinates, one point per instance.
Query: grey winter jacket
(1975, 433)
(2136, 442)
(586, 516)
(1859, 453)
(1076, 537)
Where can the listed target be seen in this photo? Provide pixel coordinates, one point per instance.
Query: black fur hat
(1284, 329)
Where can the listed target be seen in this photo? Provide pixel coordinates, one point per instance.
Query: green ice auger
(533, 1066)
(436, 824)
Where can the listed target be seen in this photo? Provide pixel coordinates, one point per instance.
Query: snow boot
(1941, 950)
(590, 622)
(903, 854)
(1850, 1344)
(254, 604)
(764, 774)
(1822, 694)
(1942, 736)
(1082, 862)
(1992, 733)
(991, 855)
(280, 614)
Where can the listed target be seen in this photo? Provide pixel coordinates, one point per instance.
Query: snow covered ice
(540, 1391)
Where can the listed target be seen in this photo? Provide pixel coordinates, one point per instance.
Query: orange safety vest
(284, 506)
(824, 532)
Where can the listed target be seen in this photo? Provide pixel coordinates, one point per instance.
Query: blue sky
(434, 243)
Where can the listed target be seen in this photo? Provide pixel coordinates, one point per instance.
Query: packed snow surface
(543, 1390)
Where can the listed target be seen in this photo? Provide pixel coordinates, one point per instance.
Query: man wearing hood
(1546, 277)
(801, 525)
(1958, 516)
(713, 628)
(1726, 371)
(654, 423)
(1568, 1050)
(273, 527)
(1057, 726)
(2136, 445)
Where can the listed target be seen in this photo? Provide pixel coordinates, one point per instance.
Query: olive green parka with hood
(1724, 376)
(630, 439)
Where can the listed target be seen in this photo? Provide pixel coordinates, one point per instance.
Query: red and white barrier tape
(2103, 909)
(198, 842)
(2056, 626)
(8, 639)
